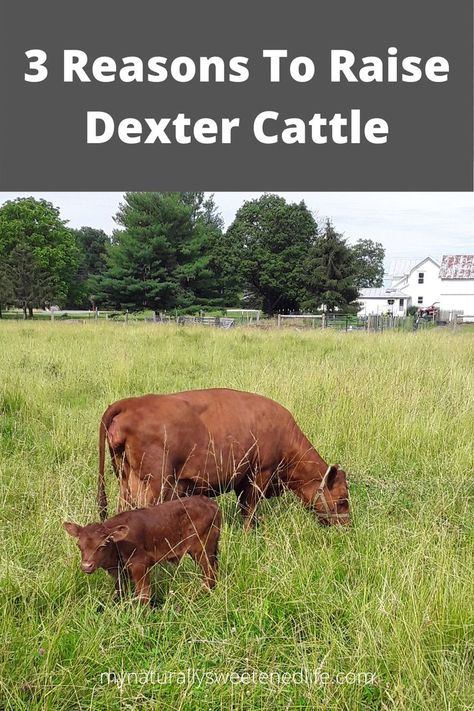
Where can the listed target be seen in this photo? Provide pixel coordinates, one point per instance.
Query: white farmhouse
(457, 284)
(421, 282)
(383, 301)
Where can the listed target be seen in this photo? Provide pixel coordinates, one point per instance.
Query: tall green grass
(391, 597)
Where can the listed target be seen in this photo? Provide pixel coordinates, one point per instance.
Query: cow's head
(97, 544)
(331, 502)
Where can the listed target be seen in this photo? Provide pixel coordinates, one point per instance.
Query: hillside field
(376, 616)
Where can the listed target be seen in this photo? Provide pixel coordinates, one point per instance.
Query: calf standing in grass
(133, 541)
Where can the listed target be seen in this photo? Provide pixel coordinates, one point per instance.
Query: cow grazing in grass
(129, 544)
(212, 441)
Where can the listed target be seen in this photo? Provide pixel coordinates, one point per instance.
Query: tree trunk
(24, 312)
(30, 311)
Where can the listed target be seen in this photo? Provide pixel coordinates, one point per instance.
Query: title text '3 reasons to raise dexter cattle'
(268, 127)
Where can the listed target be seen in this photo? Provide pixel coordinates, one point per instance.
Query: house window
(420, 299)
(402, 303)
(421, 277)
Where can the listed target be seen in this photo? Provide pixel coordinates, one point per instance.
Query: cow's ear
(119, 533)
(73, 529)
(333, 469)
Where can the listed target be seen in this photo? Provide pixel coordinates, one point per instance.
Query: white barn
(457, 284)
(383, 301)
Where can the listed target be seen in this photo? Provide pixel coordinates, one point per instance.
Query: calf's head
(331, 501)
(97, 544)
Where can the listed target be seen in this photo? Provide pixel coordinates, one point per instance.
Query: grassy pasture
(390, 597)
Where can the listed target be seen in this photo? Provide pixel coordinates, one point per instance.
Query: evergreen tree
(92, 248)
(29, 283)
(163, 257)
(330, 273)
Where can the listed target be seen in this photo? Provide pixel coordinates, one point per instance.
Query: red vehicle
(429, 312)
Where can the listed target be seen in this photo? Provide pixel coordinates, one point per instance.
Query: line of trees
(170, 252)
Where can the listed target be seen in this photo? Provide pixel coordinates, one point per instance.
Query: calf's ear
(73, 529)
(119, 533)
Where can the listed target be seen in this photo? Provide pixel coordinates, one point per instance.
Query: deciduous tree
(368, 263)
(272, 239)
(32, 233)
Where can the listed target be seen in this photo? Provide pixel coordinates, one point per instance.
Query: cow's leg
(248, 503)
(161, 489)
(121, 468)
(124, 494)
(251, 494)
(140, 574)
(150, 478)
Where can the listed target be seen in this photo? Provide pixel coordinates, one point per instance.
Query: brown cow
(130, 543)
(211, 441)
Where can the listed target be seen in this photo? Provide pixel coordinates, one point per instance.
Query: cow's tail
(105, 423)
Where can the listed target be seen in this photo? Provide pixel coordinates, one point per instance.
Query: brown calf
(133, 541)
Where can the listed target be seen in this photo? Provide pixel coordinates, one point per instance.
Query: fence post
(279, 320)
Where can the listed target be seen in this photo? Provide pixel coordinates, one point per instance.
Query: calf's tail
(105, 423)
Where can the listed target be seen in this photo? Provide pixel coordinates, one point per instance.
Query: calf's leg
(140, 574)
(205, 556)
(121, 578)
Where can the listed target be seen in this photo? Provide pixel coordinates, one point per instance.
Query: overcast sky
(407, 224)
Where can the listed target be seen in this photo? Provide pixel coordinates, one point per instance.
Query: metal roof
(457, 266)
(382, 293)
(398, 268)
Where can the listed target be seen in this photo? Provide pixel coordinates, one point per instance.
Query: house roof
(457, 266)
(398, 269)
(382, 293)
